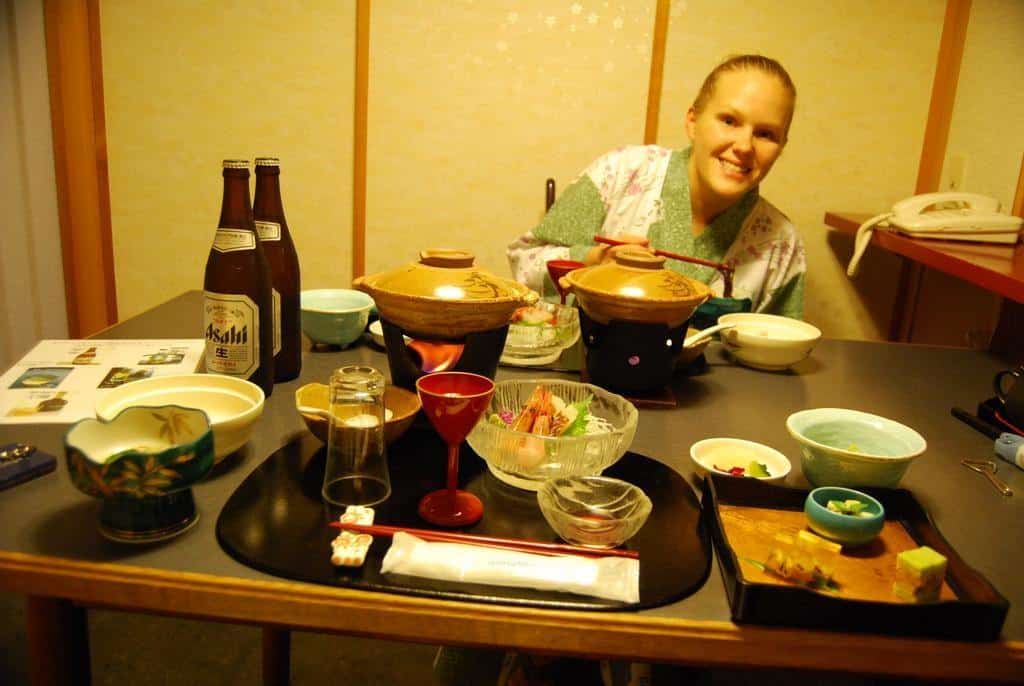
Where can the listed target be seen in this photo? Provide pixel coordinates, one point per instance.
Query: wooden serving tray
(862, 573)
(745, 514)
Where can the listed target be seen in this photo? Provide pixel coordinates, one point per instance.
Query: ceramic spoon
(705, 334)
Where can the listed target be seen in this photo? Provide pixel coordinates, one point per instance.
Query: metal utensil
(16, 451)
(989, 469)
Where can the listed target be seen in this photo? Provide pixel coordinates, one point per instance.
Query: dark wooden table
(52, 552)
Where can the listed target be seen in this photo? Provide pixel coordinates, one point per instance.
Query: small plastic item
(349, 549)
(1010, 447)
(919, 575)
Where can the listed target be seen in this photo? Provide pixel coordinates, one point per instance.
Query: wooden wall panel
(80, 159)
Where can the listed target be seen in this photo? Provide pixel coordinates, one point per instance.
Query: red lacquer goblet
(454, 403)
(559, 268)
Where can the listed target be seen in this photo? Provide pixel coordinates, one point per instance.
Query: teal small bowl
(843, 528)
(841, 447)
(335, 316)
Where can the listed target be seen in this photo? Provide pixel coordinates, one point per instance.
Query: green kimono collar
(675, 231)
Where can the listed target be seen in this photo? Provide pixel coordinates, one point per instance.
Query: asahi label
(234, 240)
(277, 321)
(231, 324)
(268, 231)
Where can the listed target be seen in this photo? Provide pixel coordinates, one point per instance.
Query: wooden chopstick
(724, 269)
(520, 544)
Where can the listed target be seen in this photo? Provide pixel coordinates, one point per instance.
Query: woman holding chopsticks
(701, 202)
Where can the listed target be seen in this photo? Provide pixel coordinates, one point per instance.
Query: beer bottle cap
(236, 164)
(268, 162)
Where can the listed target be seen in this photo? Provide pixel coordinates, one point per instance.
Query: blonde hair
(765, 65)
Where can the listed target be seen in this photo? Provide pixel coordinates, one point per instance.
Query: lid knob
(449, 259)
(639, 259)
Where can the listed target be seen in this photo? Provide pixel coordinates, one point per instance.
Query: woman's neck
(703, 209)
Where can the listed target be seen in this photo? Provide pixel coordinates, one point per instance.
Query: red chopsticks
(725, 270)
(520, 544)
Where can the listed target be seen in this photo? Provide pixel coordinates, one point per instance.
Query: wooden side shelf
(997, 268)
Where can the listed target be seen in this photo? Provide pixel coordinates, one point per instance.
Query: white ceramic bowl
(233, 405)
(718, 455)
(768, 341)
(850, 448)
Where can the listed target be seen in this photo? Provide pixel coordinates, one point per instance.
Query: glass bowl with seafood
(539, 333)
(538, 429)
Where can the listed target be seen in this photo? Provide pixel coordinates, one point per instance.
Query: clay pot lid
(637, 275)
(447, 275)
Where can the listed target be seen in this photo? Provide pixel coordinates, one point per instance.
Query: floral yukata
(644, 190)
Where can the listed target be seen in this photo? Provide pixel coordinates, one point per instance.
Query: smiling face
(737, 135)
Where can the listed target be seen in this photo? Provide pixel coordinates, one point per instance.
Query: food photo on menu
(122, 375)
(41, 377)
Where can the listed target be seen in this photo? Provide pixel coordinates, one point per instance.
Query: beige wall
(472, 104)
(31, 272)
(188, 84)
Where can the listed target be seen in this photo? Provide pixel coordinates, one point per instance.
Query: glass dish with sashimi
(537, 429)
(539, 333)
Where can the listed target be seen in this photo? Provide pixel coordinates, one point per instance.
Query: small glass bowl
(593, 511)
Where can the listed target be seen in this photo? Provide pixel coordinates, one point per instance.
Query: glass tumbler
(356, 472)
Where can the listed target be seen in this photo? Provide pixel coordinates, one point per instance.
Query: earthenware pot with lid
(443, 295)
(636, 287)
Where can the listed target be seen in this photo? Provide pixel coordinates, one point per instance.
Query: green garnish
(579, 425)
(848, 507)
(757, 469)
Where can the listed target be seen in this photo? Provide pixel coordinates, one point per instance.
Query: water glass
(356, 472)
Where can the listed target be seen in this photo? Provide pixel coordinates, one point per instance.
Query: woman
(702, 201)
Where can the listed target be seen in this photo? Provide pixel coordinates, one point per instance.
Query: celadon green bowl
(841, 447)
(142, 464)
(335, 316)
(847, 529)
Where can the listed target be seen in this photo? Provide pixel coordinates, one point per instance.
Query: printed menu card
(59, 381)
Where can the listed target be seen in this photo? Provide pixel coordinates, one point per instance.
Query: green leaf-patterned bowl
(141, 464)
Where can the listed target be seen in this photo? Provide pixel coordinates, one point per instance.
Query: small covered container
(637, 288)
(444, 296)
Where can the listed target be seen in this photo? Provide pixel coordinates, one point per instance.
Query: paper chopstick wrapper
(614, 578)
(349, 549)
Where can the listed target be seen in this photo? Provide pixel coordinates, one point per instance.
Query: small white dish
(376, 330)
(768, 341)
(718, 455)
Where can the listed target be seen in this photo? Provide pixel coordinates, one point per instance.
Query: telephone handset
(947, 216)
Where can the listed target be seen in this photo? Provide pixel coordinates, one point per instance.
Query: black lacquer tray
(976, 613)
(276, 522)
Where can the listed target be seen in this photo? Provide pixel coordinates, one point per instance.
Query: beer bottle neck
(235, 210)
(267, 204)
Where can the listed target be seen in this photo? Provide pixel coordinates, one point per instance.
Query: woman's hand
(602, 253)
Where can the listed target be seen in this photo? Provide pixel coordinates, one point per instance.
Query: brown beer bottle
(272, 228)
(238, 319)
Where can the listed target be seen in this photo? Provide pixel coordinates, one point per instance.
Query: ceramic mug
(1012, 398)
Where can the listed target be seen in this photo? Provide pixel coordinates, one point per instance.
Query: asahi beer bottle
(272, 228)
(237, 303)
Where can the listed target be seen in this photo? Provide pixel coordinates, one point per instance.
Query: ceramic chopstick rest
(614, 578)
(349, 549)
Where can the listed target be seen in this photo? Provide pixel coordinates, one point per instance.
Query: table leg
(277, 645)
(58, 642)
(901, 326)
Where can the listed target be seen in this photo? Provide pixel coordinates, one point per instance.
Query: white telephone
(947, 216)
